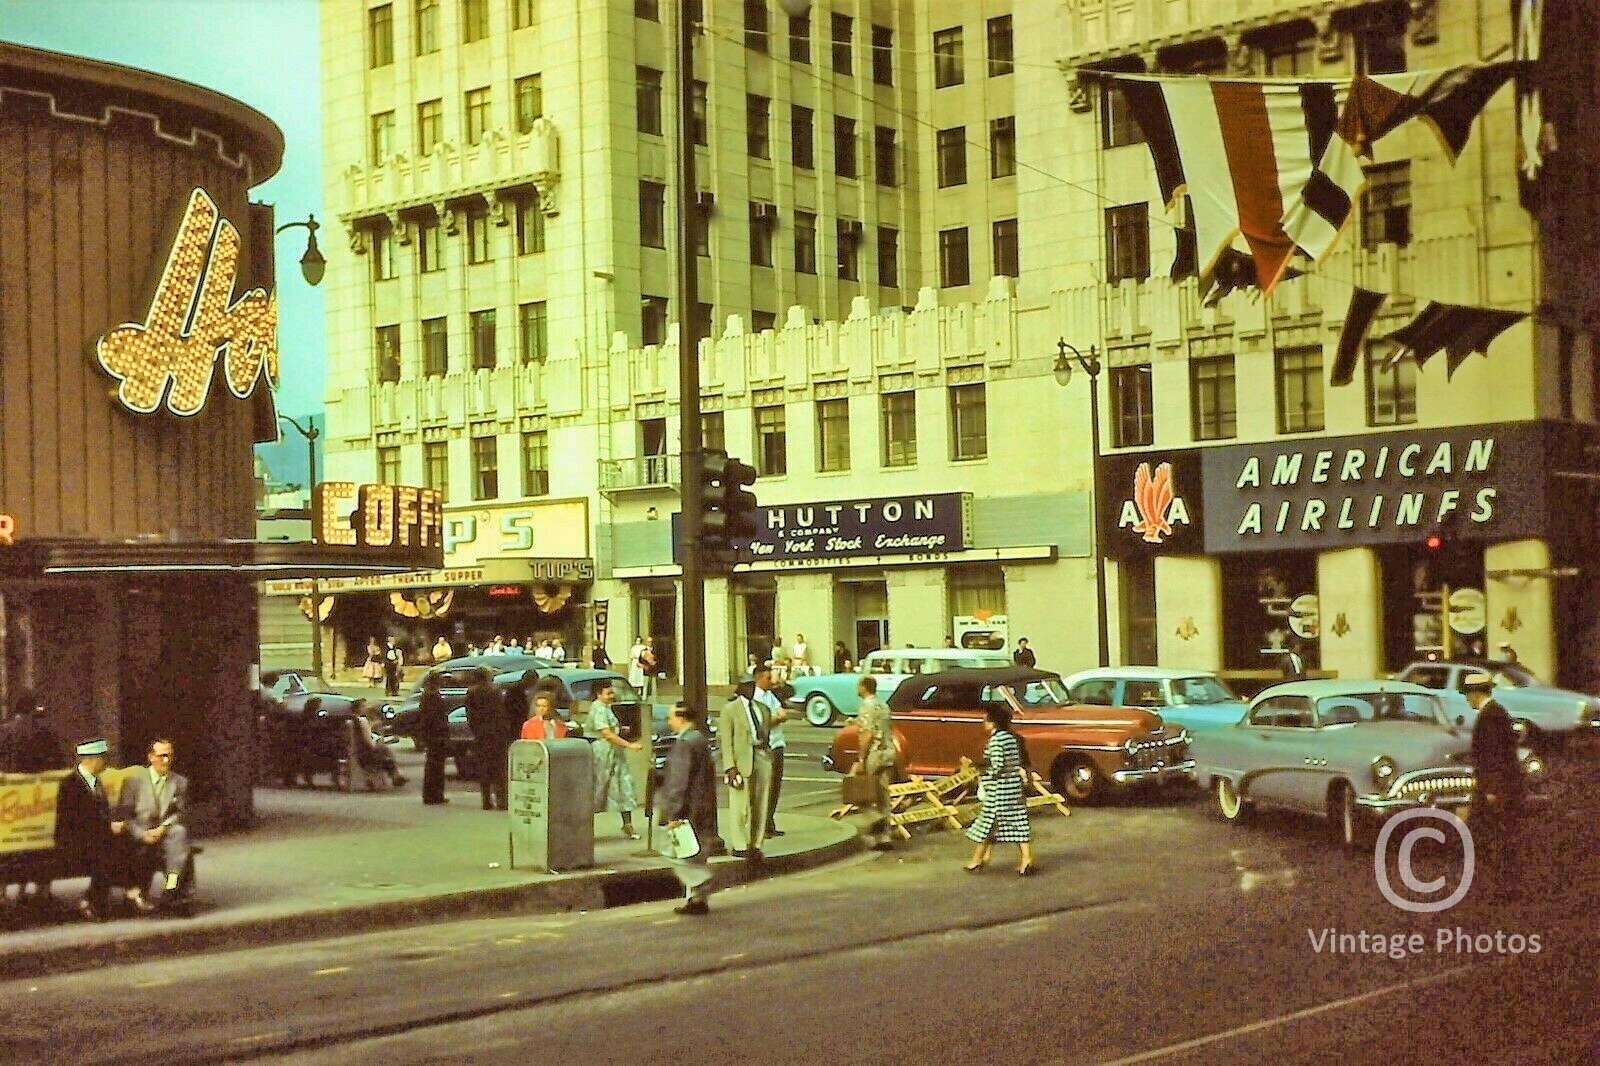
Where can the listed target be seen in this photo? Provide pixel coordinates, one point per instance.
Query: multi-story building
(902, 208)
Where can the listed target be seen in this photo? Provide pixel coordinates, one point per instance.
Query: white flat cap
(93, 747)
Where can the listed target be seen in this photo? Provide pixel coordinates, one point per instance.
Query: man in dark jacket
(1024, 656)
(689, 794)
(87, 838)
(486, 718)
(433, 732)
(27, 743)
(1497, 787)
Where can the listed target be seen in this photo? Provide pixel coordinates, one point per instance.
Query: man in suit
(491, 739)
(745, 736)
(152, 802)
(86, 836)
(689, 794)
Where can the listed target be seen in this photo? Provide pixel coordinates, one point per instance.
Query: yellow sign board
(28, 811)
(555, 530)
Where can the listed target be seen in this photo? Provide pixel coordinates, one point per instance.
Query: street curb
(591, 890)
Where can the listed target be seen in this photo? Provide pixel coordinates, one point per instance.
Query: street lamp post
(310, 432)
(312, 263)
(1090, 365)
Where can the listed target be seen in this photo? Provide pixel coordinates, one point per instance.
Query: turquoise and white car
(1195, 699)
(828, 698)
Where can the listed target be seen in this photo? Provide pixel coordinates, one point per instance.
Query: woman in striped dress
(1004, 814)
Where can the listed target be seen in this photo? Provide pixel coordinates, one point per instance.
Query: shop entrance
(863, 614)
(1415, 582)
(760, 624)
(1268, 603)
(658, 619)
(871, 634)
(1138, 595)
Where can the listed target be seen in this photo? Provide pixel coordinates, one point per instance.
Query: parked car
(287, 690)
(1084, 750)
(1193, 699)
(303, 728)
(1351, 751)
(829, 697)
(398, 718)
(1548, 713)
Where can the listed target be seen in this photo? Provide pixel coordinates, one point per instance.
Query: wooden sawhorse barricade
(921, 799)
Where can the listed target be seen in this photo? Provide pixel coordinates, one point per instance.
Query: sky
(263, 52)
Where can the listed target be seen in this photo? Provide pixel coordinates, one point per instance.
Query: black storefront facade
(1359, 548)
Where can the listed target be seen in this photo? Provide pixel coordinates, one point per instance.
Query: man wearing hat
(87, 838)
(1508, 654)
(1497, 784)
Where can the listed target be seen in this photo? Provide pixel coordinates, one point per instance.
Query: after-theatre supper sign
(1375, 489)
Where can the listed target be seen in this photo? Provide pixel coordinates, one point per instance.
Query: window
(760, 235)
(1005, 248)
(899, 428)
(1133, 407)
(436, 467)
(647, 99)
(1386, 206)
(848, 233)
(430, 125)
(1003, 147)
(477, 114)
(889, 257)
(844, 146)
(1392, 392)
(1001, 58)
(474, 20)
(1290, 59)
(485, 468)
(427, 30)
(380, 36)
(761, 321)
(382, 137)
(882, 55)
(713, 431)
(521, 14)
(800, 38)
(800, 124)
(536, 463)
(530, 101)
(649, 10)
(702, 224)
(1380, 49)
(951, 156)
(1212, 394)
(953, 268)
(653, 320)
(772, 441)
(758, 119)
(382, 253)
(697, 112)
(755, 25)
(885, 160)
(843, 27)
(969, 421)
(1300, 390)
(652, 214)
(389, 466)
(430, 247)
(483, 354)
(387, 348)
(704, 315)
(533, 331)
(435, 348)
(478, 234)
(530, 225)
(1118, 127)
(947, 60)
(805, 242)
(1127, 242)
(833, 435)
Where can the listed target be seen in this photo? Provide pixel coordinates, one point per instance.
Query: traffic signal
(709, 467)
(738, 502)
(728, 508)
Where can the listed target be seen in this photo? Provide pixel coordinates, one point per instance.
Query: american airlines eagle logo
(1155, 507)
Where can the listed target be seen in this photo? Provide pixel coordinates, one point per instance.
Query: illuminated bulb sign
(377, 516)
(172, 355)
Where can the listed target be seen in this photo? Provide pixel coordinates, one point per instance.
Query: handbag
(679, 842)
(859, 790)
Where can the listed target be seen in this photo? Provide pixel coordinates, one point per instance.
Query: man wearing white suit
(153, 803)
(745, 752)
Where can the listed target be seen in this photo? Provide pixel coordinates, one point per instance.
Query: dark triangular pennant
(1364, 306)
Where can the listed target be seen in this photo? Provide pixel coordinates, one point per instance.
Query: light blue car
(829, 697)
(1195, 699)
(1548, 713)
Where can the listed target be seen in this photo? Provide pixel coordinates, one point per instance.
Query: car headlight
(386, 710)
(1520, 728)
(1383, 769)
(1184, 736)
(1130, 746)
(1533, 767)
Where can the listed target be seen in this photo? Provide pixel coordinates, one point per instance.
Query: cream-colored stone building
(905, 205)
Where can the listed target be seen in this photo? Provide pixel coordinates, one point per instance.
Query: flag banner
(1447, 100)
(1363, 309)
(1459, 330)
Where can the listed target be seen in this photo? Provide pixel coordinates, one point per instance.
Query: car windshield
(626, 693)
(1508, 676)
(1379, 707)
(1042, 692)
(1200, 692)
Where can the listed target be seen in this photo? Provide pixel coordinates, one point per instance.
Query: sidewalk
(322, 863)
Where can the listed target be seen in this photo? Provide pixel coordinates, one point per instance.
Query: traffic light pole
(693, 645)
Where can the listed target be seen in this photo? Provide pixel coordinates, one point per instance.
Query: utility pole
(693, 646)
(310, 432)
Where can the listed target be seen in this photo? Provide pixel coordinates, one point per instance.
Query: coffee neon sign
(383, 516)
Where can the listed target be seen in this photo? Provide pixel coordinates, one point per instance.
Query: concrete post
(1189, 612)
(1350, 600)
(805, 605)
(1522, 610)
(919, 608)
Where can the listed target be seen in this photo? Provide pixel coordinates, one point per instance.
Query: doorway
(871, 634)
(658, 620)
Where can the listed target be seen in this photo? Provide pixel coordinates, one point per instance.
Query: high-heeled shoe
(137, 901)
(978, 869)
(1026, 871)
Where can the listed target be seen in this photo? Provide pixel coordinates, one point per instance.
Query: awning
(261, 559)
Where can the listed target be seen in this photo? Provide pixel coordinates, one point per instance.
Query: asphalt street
(1153, 933)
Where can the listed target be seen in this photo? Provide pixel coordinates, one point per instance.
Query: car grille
(1165, 750)
(1443, 782)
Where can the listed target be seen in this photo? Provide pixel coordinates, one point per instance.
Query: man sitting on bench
(152, 802)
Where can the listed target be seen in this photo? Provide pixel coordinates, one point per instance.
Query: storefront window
(977, 592)
(1269, 603)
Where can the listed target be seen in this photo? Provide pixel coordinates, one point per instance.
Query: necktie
(757, 721)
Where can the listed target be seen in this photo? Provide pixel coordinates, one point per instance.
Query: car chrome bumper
(1158, 774)
(1389, 804)
(827, 761)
